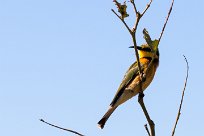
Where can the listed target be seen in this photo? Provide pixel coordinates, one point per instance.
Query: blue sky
(64, 60)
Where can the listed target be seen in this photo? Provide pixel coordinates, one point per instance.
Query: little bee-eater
(130, 84)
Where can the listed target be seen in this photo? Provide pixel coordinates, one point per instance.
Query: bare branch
(135, 8)
(137, 14)
(147, 129)
(147, 7)
(179, 111)
(122, 21)
(166, 21)
(150, 122)
(69, 130)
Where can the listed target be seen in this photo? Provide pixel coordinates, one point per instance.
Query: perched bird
(130, 84)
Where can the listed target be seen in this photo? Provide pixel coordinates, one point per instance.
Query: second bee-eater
(130, 85)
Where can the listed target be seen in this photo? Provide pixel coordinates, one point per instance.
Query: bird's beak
(138, 47)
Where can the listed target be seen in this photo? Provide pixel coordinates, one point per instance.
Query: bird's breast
(149, 75)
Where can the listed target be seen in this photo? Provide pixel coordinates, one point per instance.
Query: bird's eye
(146, 49)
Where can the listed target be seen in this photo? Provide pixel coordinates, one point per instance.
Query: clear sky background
(63, 61)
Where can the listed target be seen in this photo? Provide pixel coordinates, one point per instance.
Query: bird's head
(145, 51)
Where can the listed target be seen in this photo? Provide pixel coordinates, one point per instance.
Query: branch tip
(167, 18)
(182, 97)
(69, 130)
(146, 128)
(42, 120)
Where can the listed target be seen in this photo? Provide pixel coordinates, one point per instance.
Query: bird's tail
(102, 122)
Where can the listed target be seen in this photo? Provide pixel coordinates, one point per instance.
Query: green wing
(131, 73)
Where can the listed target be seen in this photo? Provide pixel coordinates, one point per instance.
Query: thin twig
(122, 21)
(135, 8)
(138, 16)
(166, 21)
(69, 130)
(146, 127)
(147, 7)
(179, 111)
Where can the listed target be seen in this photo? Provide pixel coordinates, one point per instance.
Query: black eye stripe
(144, 49)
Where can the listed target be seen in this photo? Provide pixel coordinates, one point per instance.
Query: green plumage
(131, 73)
